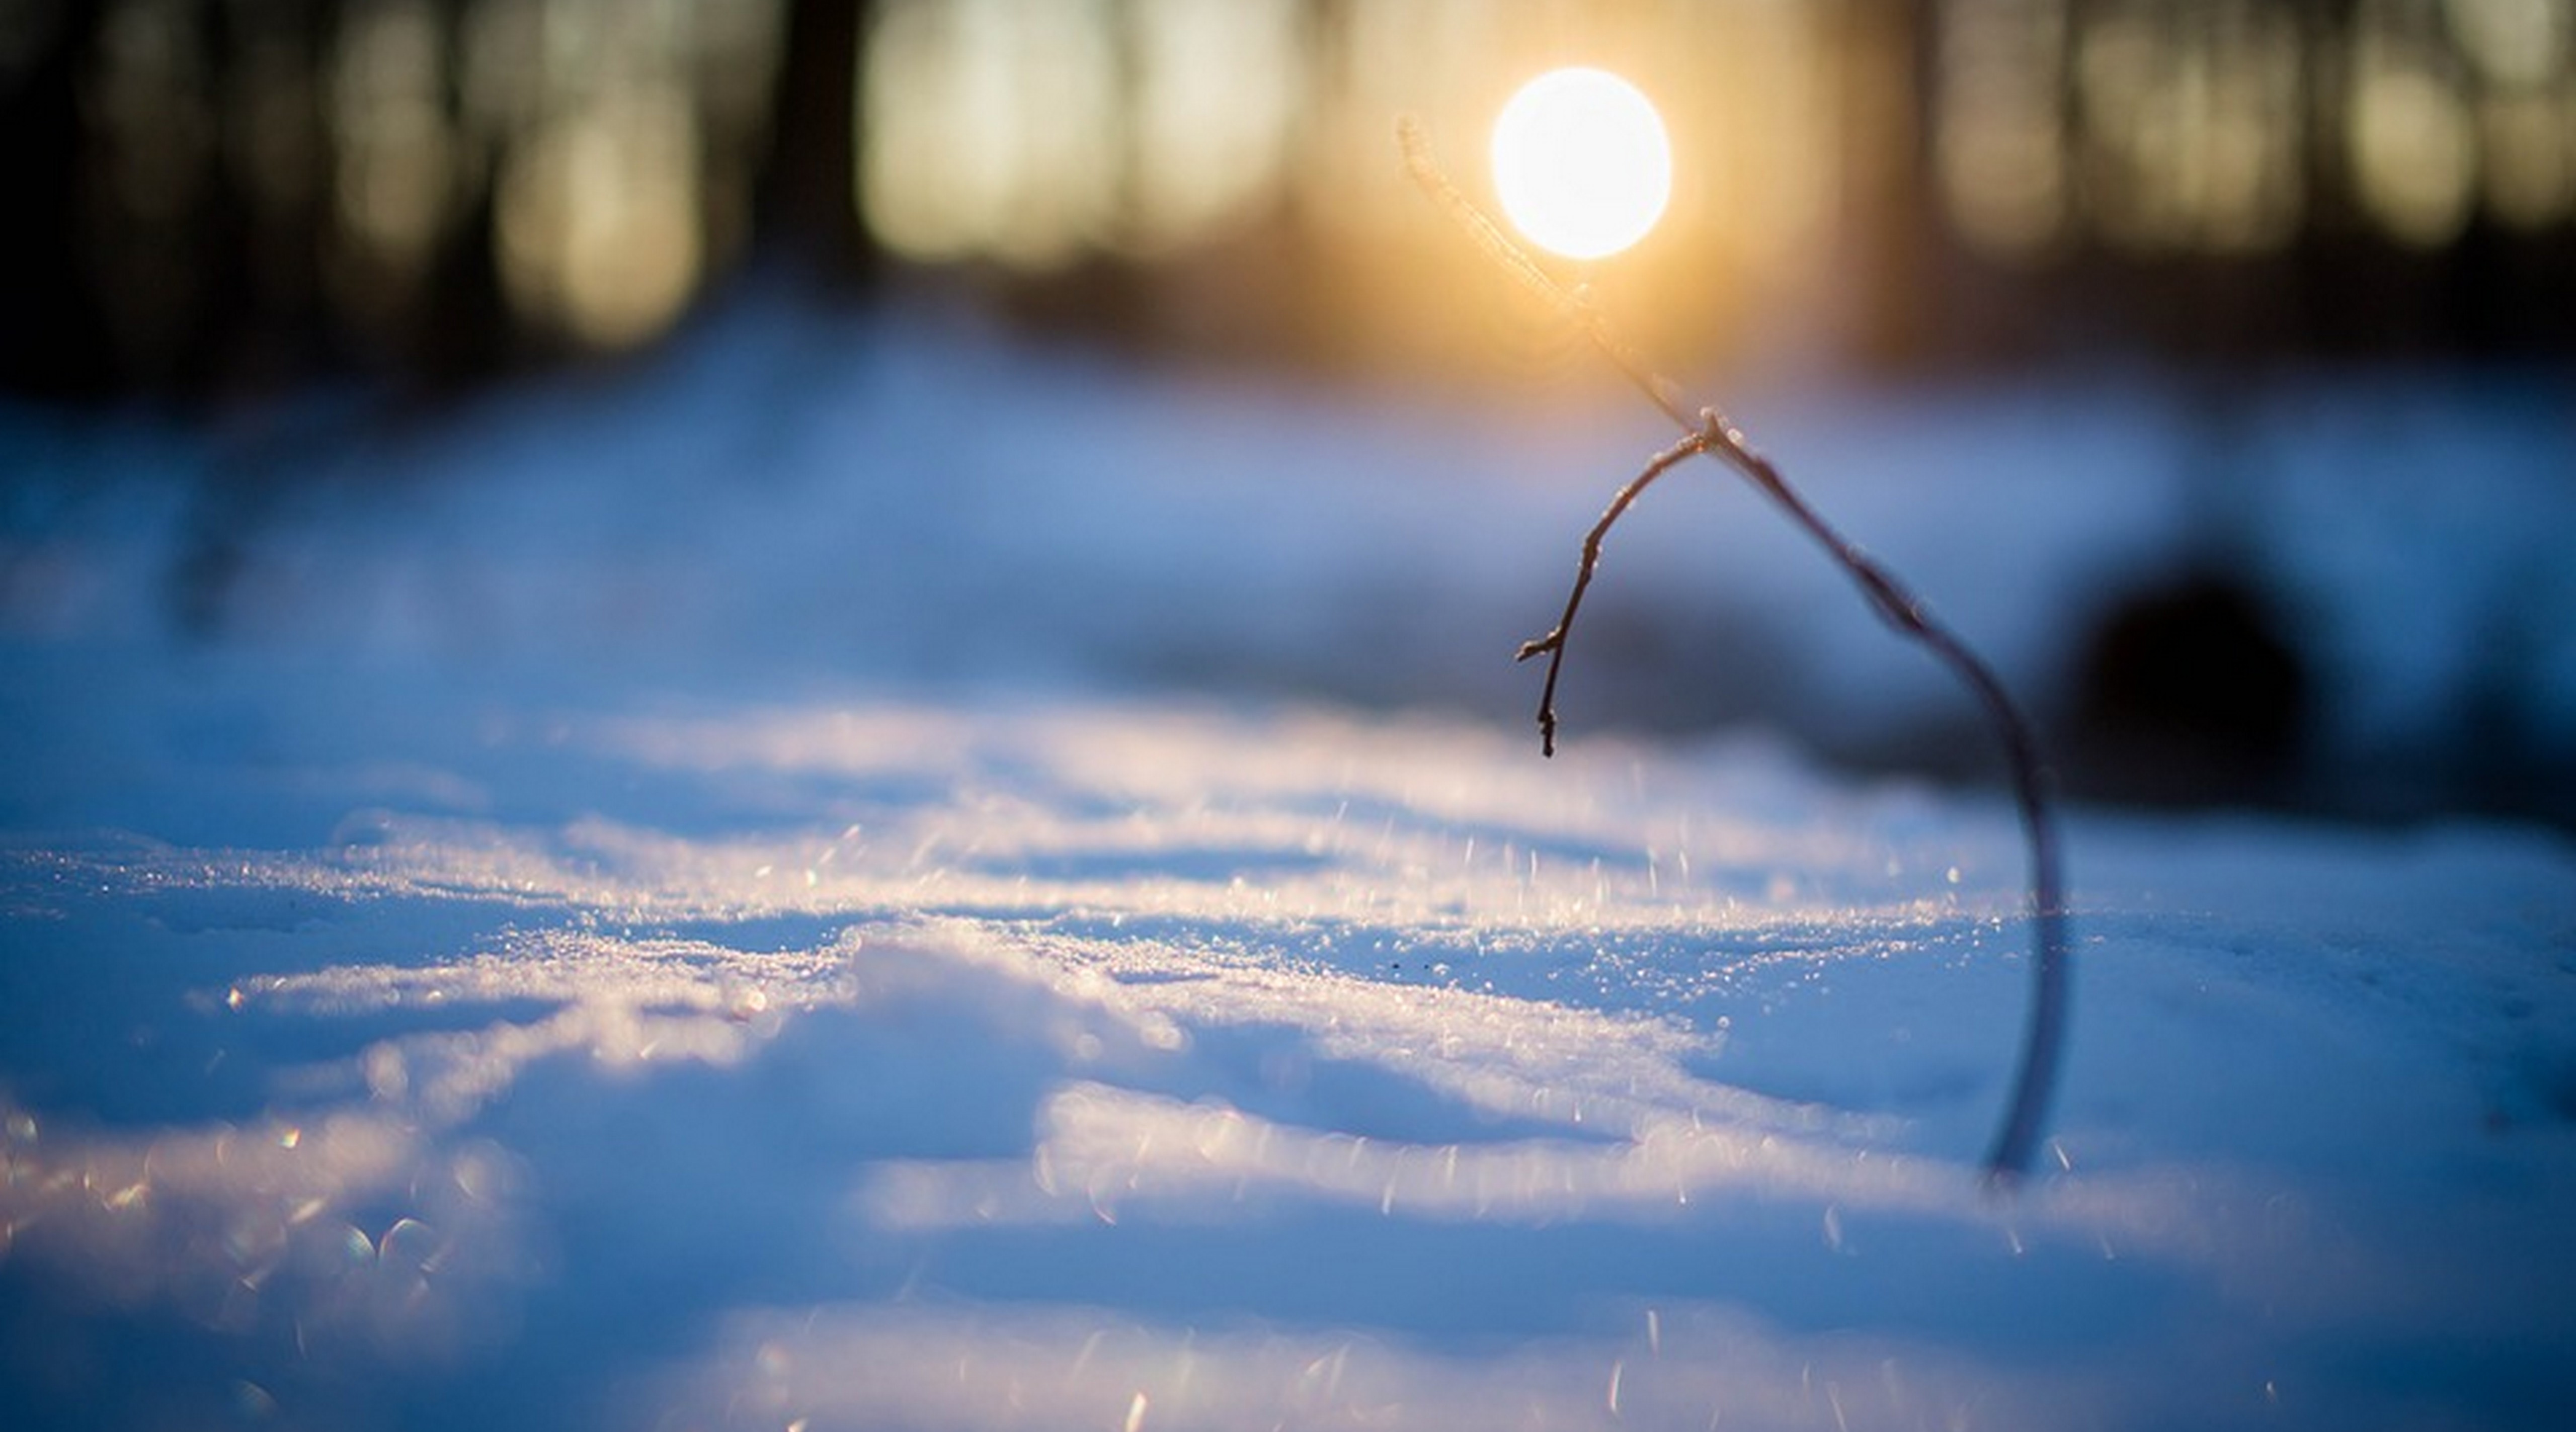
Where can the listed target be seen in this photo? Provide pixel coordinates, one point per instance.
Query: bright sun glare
(1581, 163)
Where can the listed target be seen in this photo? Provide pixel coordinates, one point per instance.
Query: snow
(859, 876)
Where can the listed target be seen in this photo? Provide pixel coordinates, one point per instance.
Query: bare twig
(2043, 1041)
(1554, 642)
(1574, 303)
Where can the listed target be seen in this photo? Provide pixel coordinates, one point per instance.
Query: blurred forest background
(218, 205)
(215, 198)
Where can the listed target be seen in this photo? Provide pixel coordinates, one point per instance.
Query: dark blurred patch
(2190, 691)
(218, 202)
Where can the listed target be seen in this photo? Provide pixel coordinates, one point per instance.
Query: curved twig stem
(2043, 1043)
(2025, 1118)
(1554, 642)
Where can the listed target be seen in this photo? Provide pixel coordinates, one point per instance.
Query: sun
(1581, 162)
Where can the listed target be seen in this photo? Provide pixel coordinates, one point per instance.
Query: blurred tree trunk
(807, 204)
(460, 328)
(52, 342)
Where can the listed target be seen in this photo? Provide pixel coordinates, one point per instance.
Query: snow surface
(848, 880)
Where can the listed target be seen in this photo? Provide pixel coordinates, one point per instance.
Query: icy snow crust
(473, 994)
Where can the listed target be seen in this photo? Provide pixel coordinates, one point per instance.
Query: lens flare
(1581, 162)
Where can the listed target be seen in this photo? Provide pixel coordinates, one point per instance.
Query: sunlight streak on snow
(1103, 1147)
(1038, 1062)
(994, 1369)
(239, 1229)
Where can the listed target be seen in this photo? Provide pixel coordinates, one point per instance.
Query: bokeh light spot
(1581, 162)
